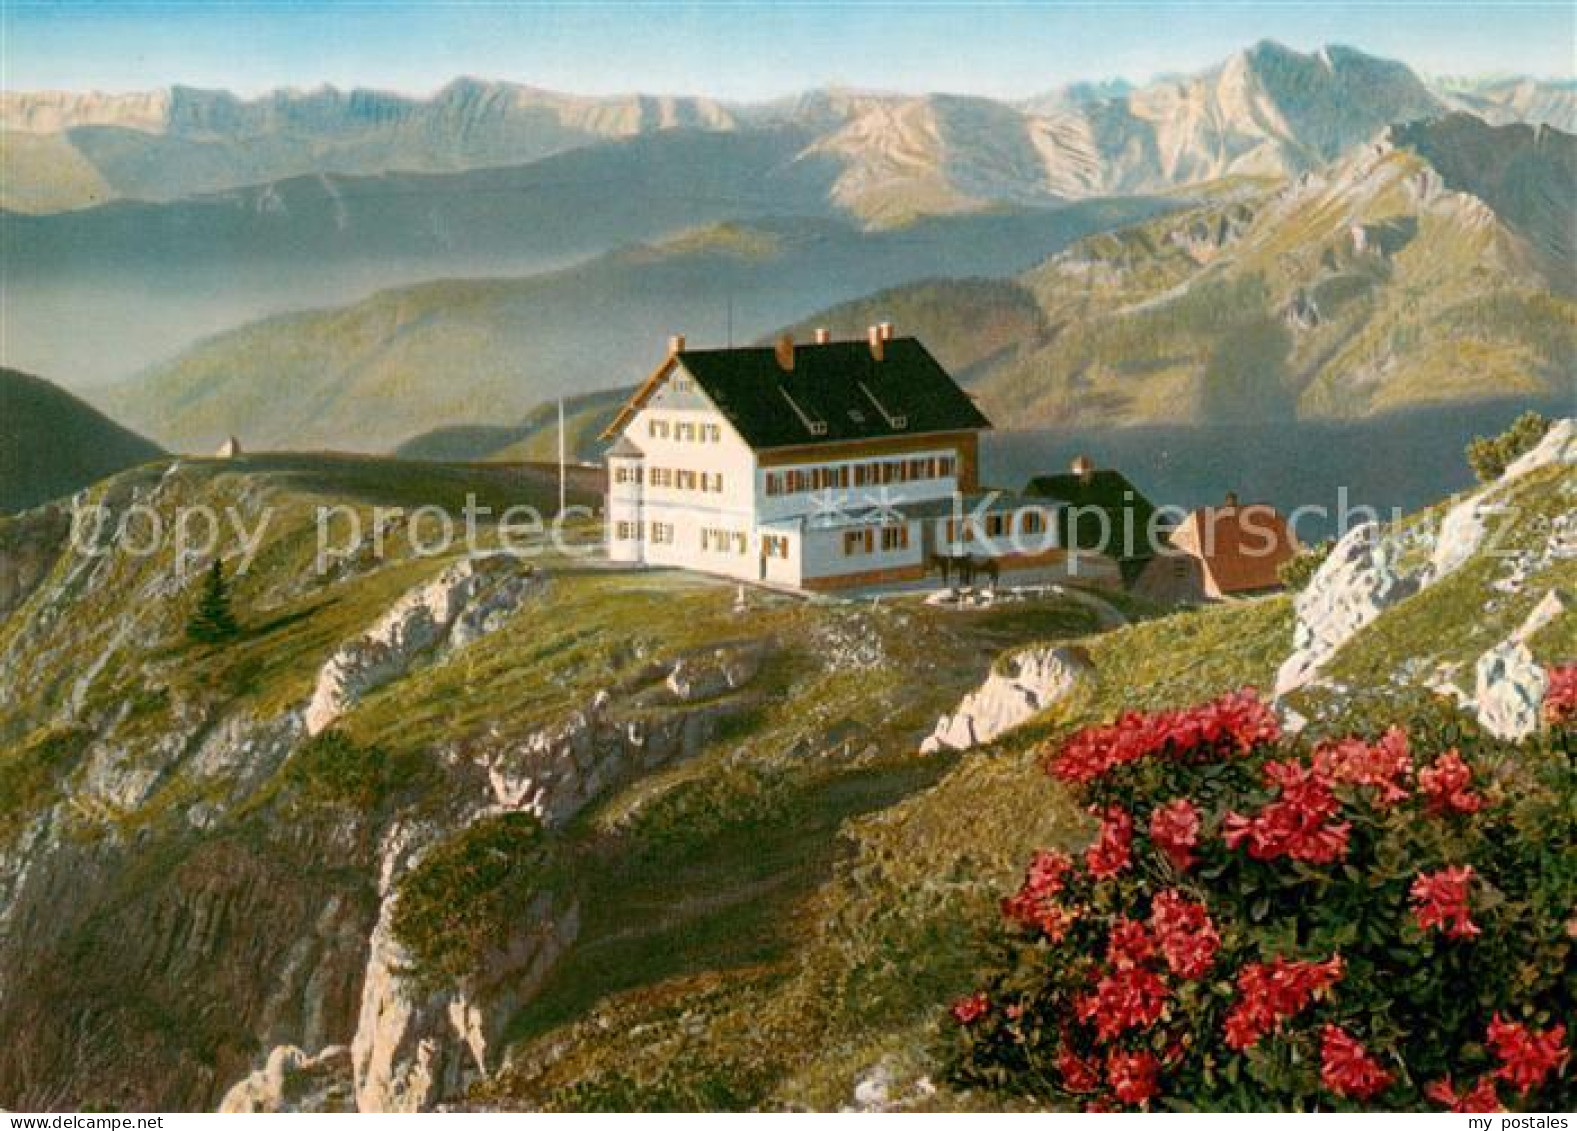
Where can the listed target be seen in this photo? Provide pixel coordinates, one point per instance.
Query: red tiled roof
(1240, 547)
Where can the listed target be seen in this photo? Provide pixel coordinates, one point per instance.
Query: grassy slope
(704, 866)
(904, 923)
(52, 444)
(762, 923)
(126, 1004)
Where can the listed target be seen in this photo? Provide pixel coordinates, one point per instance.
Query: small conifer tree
(1490, 455)
(213, 622)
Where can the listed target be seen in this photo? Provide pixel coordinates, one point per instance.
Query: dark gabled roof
(840, 386)
(1108, 491)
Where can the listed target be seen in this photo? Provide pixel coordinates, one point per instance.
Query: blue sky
(733, 49)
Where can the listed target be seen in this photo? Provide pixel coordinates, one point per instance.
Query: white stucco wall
(672, 518)
(824, 555)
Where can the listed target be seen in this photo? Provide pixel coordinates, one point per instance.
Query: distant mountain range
(103, 292)
(371, 374)
(167, 144)
(52, 444)
(350, 269)
(1433, 266)
(1265, 110)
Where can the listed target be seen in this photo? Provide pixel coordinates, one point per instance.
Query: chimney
(1084, 468)
(675, 344)
(785, 353)
(1232, 500)
(877, 342)
(887, 331)
(823, 335)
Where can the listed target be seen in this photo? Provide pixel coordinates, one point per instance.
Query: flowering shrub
(1383, 922)
(1560, 698)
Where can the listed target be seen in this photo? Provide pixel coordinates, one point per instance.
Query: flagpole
(563, 486)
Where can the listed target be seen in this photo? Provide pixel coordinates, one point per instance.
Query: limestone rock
(415, 1046)
(873, 1091)
(1509, 685)
(554, 771)
(706, 677)
(292, 1081)
(1509, 690)
(1361, 578)
(1356, 583)
(466, 601)
(1029, 682)
(1559, 445)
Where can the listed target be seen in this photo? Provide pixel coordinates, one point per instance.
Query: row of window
(686, 479)
(865, 541)
(871, 474)
(996, 526)
(860, 541)
(685, 431)
(719, 541)
(713, 539)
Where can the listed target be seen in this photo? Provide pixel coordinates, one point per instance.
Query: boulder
(1356, 583)
(1027, 684)
(1509, 690)
(30, 544)
(1509, 685)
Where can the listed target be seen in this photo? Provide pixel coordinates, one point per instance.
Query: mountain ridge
(1434, 265)
(1376, 284)
(1264, 108)
(52, 444)
(371, 374)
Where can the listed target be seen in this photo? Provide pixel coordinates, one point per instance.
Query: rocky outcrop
(1354, 585)
(1362, 576)
(1026, 685)
(466, 601)
(884, 1088)
(707, 676)
(555, 770)
(414, 1045)
(1509, 684)
(292, 1081)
